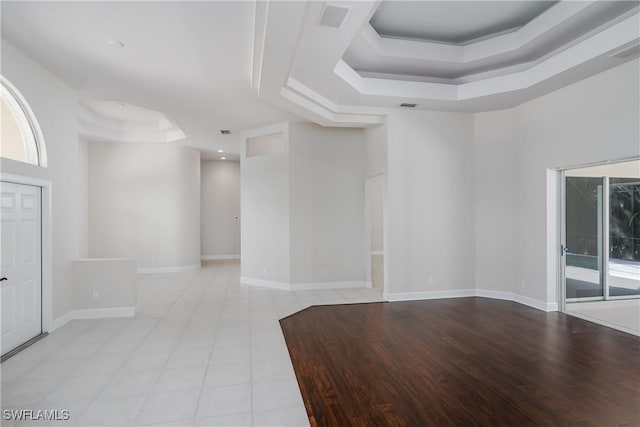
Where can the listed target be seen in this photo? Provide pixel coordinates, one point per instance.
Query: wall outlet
(95, 295)
(523, 284)
(324, 272)
(431, 280)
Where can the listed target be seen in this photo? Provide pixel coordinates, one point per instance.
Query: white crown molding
(552, 18)
(95, 126)
(599, 44)
(298, 65)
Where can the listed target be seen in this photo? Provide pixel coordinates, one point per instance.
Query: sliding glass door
(623, 266)
(583, 250)
(602, 238)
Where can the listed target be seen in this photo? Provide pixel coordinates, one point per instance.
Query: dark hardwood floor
(461, 362)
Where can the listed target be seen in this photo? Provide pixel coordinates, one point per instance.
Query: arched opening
(21, 139)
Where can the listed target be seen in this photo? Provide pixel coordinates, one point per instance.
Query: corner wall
(55, 107)
(327, 167)
(430, 212)
(264, 207)
(303, 209)
(144, 203)
(590, 121)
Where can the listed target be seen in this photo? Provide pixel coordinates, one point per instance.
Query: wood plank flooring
(461, 362)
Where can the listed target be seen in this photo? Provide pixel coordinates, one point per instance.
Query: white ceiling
(453, 21)
(352, 75)
(122, 111)
(236, 65)
(188, 60)
(365, 57)
(118, 121)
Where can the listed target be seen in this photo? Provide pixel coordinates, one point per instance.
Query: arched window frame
(22, 103)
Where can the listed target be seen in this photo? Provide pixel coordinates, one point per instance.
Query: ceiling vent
(225, 131)
(408, 105)
(626, 51)
(333, 16)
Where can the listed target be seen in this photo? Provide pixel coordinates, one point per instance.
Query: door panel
(583, 224)
(21, 293)
(623, 268)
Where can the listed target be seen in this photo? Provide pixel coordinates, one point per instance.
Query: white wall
(220, 208)
(83, 197)
(496, 193)
(144, 203)
(327, 173)
(593, 120)
(105, 283)
(55, 107)
(376, 149)
(264, 211)
(430, 212)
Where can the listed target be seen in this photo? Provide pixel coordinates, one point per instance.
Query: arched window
(21, 138)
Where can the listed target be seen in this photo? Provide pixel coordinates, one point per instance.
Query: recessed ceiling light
(220, 151)
(223, 158)
(116, 44)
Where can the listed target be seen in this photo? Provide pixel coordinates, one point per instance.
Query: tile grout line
(206, 371)
(148, 395)
(117, 371)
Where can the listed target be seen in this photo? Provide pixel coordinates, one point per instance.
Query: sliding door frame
(604, 212)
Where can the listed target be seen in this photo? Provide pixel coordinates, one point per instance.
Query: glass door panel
(623, 268)
(583, 225)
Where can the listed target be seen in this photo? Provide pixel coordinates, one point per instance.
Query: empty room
(310, 213)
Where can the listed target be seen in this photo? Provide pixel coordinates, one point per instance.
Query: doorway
(21, 263)
(601, 244)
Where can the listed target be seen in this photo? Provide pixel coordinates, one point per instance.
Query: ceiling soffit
(351, 75)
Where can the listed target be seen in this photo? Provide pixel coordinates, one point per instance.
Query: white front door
(20, 252)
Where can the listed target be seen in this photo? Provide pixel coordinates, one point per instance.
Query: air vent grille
(408, 105)
(627, 51)
(333, 16)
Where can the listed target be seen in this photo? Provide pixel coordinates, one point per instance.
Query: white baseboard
(465, 293)
(305, 286)
(314, 286)
(93, 313)
(104, 313)
(414, 296)
(265, 283)
(61, 321)
(219, 257)
(156, 270)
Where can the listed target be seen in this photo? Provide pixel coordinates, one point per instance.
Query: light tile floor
(203, 350)
(624, 313)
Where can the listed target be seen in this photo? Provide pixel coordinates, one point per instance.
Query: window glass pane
(17, 139)
(624, 236)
